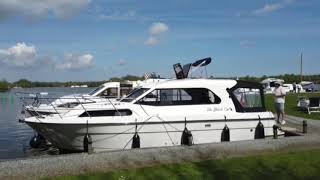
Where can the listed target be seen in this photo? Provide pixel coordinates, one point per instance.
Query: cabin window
(69, 105)
(183, 96)
(72, 104)
(100, 113)
(110, 93)
(125, 91)
(96, 90)
(247, 97)
(134, 94)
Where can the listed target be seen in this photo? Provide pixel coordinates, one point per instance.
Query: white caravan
(269, 84)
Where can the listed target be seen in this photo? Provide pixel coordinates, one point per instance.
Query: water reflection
(15, 136)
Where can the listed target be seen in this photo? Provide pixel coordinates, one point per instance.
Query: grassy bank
(294, 165)
(291, 105)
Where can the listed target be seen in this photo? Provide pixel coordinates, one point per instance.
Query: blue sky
(83, 40)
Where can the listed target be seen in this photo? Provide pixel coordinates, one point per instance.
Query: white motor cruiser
(172, 112)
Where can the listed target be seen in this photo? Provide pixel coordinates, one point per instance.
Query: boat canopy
(183, 72)
(247, 97)
(202, 62)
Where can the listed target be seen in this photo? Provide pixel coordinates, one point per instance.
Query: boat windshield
(134, 94)
(96, 90)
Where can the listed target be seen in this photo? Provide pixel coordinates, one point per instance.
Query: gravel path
(313, 125)
(36, 168)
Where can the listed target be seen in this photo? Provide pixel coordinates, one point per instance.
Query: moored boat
(168, 113)
(107, 92)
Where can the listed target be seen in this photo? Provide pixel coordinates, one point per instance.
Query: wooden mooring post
(275, 132)
(304, 127)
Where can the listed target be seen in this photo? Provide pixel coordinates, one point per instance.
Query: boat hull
(110, 136)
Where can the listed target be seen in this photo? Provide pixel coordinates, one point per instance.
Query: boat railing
(82, 108)
(38, 104)
(54, 108)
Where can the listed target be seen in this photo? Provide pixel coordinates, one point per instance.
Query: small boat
(107, 92)
(169, 113)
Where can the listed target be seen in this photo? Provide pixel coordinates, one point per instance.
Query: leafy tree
(4, 85)
(24, 83)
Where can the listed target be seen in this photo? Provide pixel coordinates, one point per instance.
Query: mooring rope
(168, 123)
(120, 133)
(137, 131)
(168, 134)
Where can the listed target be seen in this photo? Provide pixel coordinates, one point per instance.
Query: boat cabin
(113, 89)
(240, 96)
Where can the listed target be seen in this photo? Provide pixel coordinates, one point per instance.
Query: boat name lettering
(215, 109)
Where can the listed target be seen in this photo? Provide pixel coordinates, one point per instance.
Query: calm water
(15, 136)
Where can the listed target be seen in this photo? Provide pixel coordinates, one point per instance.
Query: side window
(124, 91)
(185, 96)
(120, 112)
(153, 98)
(110, 92)
(202, 96)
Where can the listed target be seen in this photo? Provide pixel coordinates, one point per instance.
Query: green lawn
(291, 105)
(293, 165)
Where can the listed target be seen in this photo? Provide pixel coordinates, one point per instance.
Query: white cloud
(25, 56)
(19, 55)
(247, 43)
(42, 8)
(76, 62)
(158, 28)
(129, 15)
(155, 30)
(122, 62)
(268, 8)
(151, 41)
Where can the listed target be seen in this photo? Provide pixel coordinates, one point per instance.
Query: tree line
(288, 78)
(24, 83)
